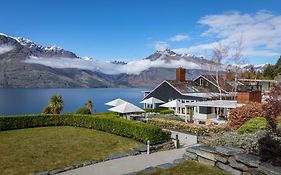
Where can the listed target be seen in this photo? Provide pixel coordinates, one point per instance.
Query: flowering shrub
(238, 116)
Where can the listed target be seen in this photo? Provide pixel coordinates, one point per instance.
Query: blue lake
(32, 101)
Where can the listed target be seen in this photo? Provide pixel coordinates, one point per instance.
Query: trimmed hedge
(106, 122)
(83, 110)
(167, 111)
(188, 127)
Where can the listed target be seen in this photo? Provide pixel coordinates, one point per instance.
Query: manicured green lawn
(189, 168)
(26, 151)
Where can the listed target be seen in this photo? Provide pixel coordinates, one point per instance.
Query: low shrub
(105, 122)
(253, 125)
(83, 110)
(188, 127)
(160, 110)
(237, 117)
(169, 117)
(167, 111)
(248, 141)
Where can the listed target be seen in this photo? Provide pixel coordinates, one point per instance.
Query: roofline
(258, 80)
(210, 82)
(175, 88)
(154, 89)
(165, 81)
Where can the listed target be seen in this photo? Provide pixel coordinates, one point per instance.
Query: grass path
(26, 151)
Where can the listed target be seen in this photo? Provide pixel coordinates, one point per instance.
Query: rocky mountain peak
(33, 49)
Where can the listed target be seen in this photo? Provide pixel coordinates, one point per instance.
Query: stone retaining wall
(231, 159)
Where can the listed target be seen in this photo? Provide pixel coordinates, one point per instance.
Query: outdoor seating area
(213, 112)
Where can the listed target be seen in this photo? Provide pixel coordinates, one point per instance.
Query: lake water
(32, 101)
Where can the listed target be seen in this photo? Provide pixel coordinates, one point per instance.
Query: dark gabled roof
(187, 87)
(223, 83)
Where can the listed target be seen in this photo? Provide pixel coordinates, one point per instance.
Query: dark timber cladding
(166, 92)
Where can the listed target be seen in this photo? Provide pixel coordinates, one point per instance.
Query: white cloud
(161, 45)
(132, 67)
(260, 32)
(5, 48)
(179, 37)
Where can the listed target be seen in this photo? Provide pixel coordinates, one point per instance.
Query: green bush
(253, 125)
(105, 122)
(83, 110)
(188, 127)
(169, 117)
(247, 141)
(167, 111)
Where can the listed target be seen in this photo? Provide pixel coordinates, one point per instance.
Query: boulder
(233, 163)
(221, 158)
(269, 169)
(228, 169)
(141, 149)
(206, 155)
(116, 156)
(248, 159)
(193, 149)
(132, 152)
(228, 150)
(206, 161)
(189, 156)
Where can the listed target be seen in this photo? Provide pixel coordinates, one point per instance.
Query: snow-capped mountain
(169, 55)
(26, 64)
(33, 48)
(258, 68)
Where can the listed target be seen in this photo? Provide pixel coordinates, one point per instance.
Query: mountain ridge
(15, 72)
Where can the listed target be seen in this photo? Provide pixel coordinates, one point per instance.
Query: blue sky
(133, 29)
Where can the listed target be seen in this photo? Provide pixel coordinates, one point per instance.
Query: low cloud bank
(132, 67)
(5, 48)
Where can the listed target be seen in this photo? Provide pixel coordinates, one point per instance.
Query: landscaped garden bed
(188, 127)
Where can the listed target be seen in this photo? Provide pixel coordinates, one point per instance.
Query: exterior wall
(246, 97)
(167, 93)
(204, 83)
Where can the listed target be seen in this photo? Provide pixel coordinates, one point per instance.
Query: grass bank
(188, 168)
(25, 151)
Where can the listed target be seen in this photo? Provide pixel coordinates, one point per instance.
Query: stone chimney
(180, 74)
(229, 75)
(248, 93)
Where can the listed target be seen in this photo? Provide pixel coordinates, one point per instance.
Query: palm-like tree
(90, 105)
(56, 104)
